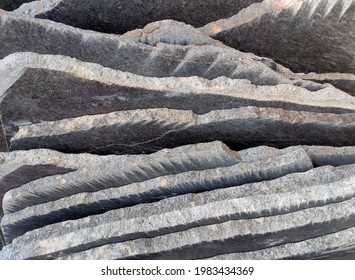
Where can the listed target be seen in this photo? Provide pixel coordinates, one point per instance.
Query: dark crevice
(10, 5)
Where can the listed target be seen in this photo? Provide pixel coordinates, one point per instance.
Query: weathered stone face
(120, 16)
(153, 129)
(43, 88)
(141, 130)
(296, 34)
(10, 5)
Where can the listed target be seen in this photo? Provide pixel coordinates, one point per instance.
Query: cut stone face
(15, 175)
(20, 34)
(127, 131)
(169, 32)
(121, 16)
(77, 229)
(84, 204)
(232, 236)
(114, 115)
(344, 82)
(321, 155)
(50, 88)
(326, 245)
(115, 174)
(294, 32)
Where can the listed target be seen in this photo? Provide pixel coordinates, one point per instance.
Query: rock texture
(200, 57)
(127, 131)
(120, 16)
(76, 206)
(42, 88)
(177, 129)
(10, 5)
(293, 31)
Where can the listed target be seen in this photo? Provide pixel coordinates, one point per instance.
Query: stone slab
(232, 236)
(342, 81)
(116, 174)
(121, 16)
(126, 131)
(322, 155)
(319, 247)
(295, 182)
(85, 204)
(293, 32)
(51, 88)
(22, 33)
(15, 175)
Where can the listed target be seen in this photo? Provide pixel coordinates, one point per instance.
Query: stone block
(121, 16)
(127, 131)
(85, 204)
(233, 236)
(104, 175)
(293, 33)
(325, 246)
(36, 240)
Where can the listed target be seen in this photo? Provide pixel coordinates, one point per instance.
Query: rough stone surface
(293, 32)
(97, 101)
(84, 204)
(56, 87)
(20, 34)
(326, 245)
(116, 174)
(321, 155)
(97, 223)
(121, 16)
(232, 236)
(127, 131)
(344, 82)
(169, 32)
(10, 5)
(15, 175)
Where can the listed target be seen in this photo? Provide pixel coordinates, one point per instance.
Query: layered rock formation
(199, 130)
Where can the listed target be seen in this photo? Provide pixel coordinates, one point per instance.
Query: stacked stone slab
(280, 28)
(149, 138)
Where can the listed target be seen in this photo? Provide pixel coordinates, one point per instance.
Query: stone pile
(189, 130)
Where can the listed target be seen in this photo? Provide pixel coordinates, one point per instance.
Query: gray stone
(231, 236)
(293, 33)
(259, 153)
(34, 8)
(321, 155)
(169, 32)
(10, 5)
(326, 245)
(291, 183)
(342, 81)
(2, 240)
(19, 34)
(121, 16)
(342, 253)
(85, 204)
(126, 131)
(15, 175)
(51, 88)
(117, 174)
(69, 161)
